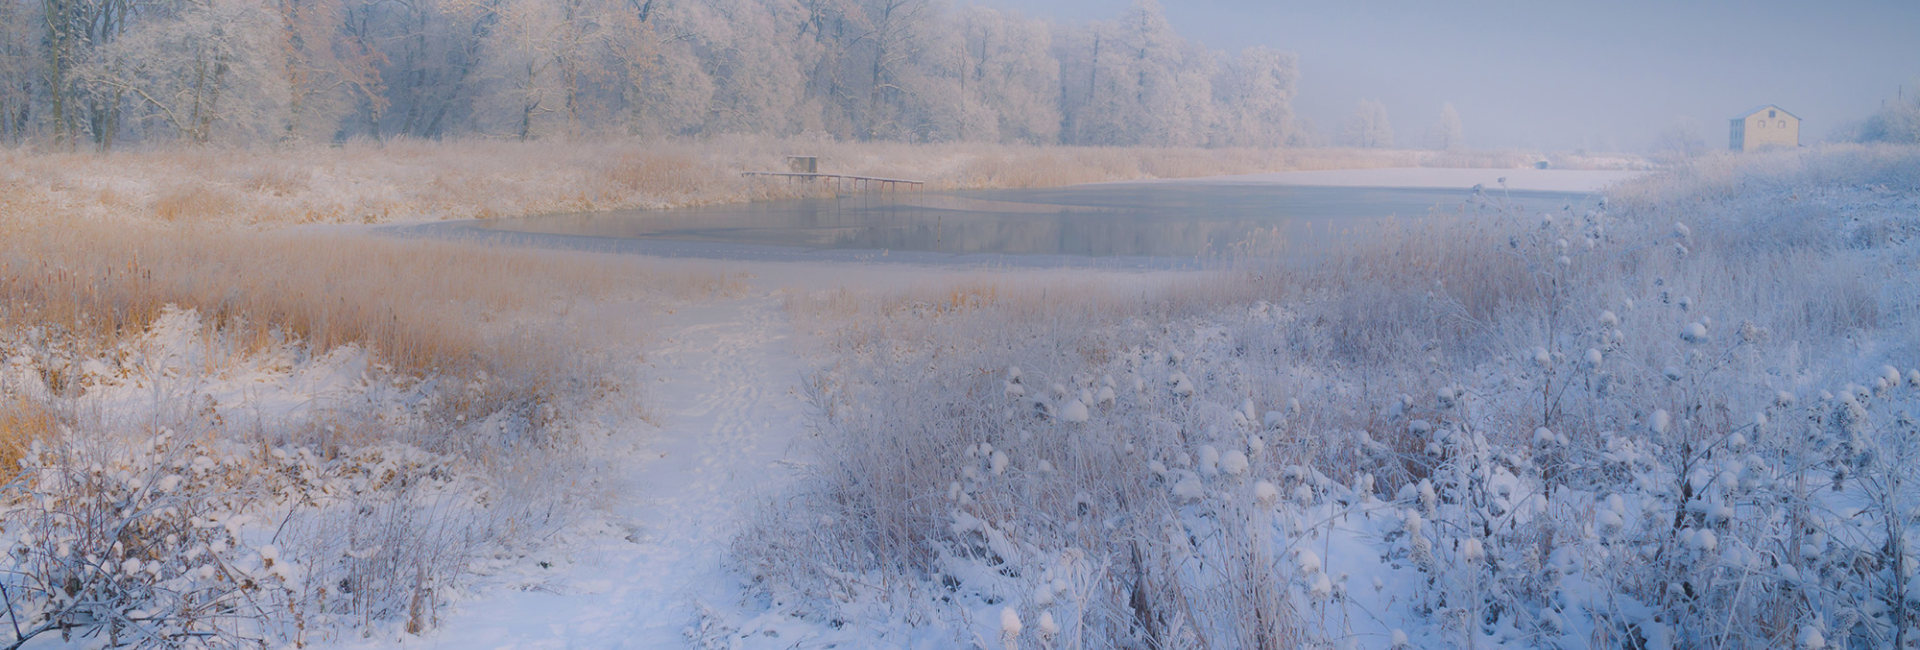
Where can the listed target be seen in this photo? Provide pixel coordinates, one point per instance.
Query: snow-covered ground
(728, 408)
(669, 589)
(729, 431)
(1541, 180)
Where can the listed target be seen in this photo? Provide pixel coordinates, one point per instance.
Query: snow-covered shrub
(1638, 424)
(199, 494)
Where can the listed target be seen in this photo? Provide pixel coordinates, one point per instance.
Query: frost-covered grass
(198, 492)
(1679, 418)
(424, 305)
(367, 182)
(215, 438)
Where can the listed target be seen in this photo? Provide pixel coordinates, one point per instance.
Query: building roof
(1762, 107)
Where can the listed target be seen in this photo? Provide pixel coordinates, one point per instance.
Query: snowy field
(1538, 180)
(1675, 418)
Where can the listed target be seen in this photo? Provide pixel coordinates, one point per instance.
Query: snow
(1234, 462)
(725, 380)
(1076, 411)
(728, 401)
(1537, 180)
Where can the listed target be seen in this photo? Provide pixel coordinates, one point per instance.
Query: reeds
(404, 180)
(422, 305)
(1577, 322)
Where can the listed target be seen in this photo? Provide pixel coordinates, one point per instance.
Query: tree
(17, 87)
(1008, 78)
(753, 51)
(1369, 128)
(209, 70)
(74, 30)
(1898, 122)
(1144, 84)
(1447, 134)
(1255, 98)
(1681, 139)
(321, 66)
(913, 70)
(671, 93)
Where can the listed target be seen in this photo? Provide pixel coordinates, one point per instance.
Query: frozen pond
(1164, 220)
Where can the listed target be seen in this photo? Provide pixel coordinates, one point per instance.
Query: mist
(1598, 76)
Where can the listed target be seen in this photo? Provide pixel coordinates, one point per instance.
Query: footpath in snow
(726, 396)
(725, 393)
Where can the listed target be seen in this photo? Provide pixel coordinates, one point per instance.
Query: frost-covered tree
(753, 51)
(429, 55)
(319, 67)
(912, 70)
(1255, 95)
(888, 75)
(1447, 133)
(17, 69)
(71, 32)
(1369, 127)
(1008, 78)
(211, 69)
(555, 61)
(1897, 122)
(1681, 139)
(1136, 82)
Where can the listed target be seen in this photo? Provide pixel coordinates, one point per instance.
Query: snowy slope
(727, 406)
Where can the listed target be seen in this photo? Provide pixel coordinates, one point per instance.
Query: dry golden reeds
(421, 304)
(23, 422)
(401, 180)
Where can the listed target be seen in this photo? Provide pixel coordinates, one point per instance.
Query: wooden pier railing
(841, 180)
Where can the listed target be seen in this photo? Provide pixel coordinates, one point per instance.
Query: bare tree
(1447, 133)
(321, 66)
(1681, 139)
(74, 30)
(1368, 127)
(17, 88)
(209, 69)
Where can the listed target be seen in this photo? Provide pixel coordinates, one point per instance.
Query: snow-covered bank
(727, 404)
(191, 487)
(1529, 430)
(1536, 180)
(223, 437)
(369, 181)
(1595, 427)
(730, 410)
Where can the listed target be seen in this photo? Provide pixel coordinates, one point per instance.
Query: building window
(1782, 124)
(1762, 124)
(1773, 114)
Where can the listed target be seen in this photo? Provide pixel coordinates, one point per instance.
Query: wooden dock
(841, 181)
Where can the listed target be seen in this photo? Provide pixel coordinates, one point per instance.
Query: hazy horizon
(1602, 77)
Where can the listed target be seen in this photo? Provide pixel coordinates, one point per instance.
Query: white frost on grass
(1075, 411)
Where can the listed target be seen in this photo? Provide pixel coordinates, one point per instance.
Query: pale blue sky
(1601, 75)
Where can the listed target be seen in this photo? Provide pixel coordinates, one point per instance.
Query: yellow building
(1765, 127)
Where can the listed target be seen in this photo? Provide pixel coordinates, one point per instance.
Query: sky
(1607, 75)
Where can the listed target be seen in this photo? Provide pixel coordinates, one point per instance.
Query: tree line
(105, 73)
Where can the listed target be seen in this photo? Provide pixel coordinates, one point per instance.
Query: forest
(114, 73)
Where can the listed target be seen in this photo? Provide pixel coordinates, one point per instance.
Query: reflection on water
(1142, 219)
